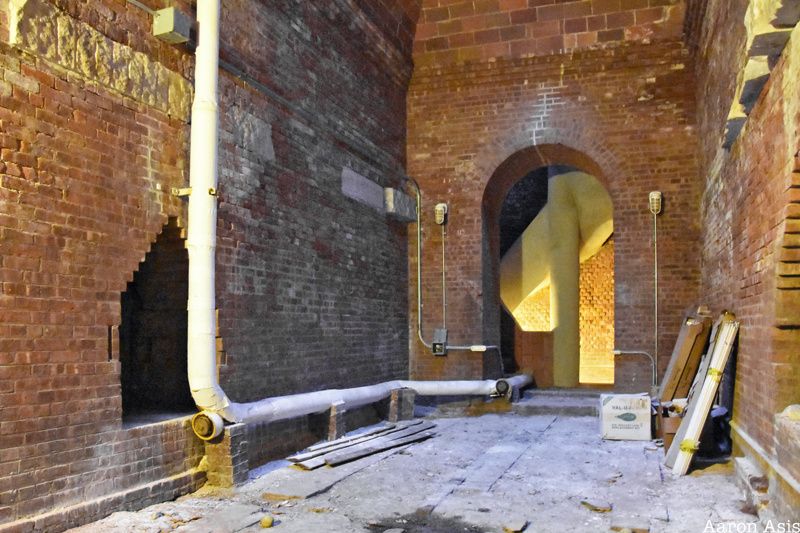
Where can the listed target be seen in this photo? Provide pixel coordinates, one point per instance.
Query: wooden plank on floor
(344, 440)
(344, 443)
(346, 455)
(319, 460)
(322, 445)
(366, 448)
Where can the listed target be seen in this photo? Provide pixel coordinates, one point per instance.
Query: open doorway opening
(152, 333)
(520, 207)
(554, 270)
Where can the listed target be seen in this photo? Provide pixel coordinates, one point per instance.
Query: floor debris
(630, 528)
(478, 475)
(597, 506)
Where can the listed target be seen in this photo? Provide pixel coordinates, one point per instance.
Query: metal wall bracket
(181, 191)
(439, 344)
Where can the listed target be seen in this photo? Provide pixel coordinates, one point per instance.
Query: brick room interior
(277, 216)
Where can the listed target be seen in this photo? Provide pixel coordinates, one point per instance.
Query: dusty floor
(478, 474)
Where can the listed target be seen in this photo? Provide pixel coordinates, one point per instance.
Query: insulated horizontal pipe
(486, 387)
(516, 382)
(295, 405)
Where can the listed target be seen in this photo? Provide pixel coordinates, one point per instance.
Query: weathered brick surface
(624, 114)
(783, 493)
(716, 35)
(458, 31)
(748, 224)
(597, 316)
(787, 443)
(534, 312)
(311, 286)
(304, 273)
(79, 174)
(116, 469)
(401, 405)
(74, 45)
(133, 499)
(533, 353)
(749, 214)
(228, 459)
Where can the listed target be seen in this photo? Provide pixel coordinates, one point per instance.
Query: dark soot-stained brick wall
(311, 284)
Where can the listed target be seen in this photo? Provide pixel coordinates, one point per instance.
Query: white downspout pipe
(201, 245)
(202, 234)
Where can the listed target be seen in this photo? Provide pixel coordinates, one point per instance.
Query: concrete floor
(478, 474)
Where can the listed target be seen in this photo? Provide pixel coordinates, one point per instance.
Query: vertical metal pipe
(444, 277)
(202, 231)
(654, 200)
(655, 294)
(419, 262)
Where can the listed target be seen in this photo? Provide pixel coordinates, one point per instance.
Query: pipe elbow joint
(502, 388)
(207, 425)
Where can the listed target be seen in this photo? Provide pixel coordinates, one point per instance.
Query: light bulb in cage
(440, 213)
(655, 202)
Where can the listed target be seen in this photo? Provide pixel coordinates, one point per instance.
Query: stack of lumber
(685, 358)
(697, 380)
(683, 366)
(351, 448)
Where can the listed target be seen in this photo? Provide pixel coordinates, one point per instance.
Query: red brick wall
(749, 214)
(597, 316)
(78, 213)
(458, 31)
(311, 285)
(624, 113)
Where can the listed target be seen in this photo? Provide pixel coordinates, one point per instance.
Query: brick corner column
(228, 457)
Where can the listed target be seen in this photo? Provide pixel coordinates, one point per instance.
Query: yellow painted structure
(571, 228)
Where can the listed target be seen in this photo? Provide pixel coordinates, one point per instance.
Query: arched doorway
(548, 228)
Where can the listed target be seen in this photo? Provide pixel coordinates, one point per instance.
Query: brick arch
(510, 170)
(558, 143)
